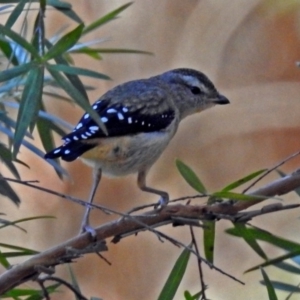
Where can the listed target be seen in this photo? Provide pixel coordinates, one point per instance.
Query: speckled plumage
(141, 117)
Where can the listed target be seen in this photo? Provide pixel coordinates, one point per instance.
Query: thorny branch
(130, 224)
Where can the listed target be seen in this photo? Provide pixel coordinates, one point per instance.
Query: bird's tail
(69, 151)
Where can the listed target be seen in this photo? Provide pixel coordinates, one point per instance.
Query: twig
(203, 285)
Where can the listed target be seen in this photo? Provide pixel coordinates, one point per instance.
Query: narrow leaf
(243, 180)
(105, 19)
(14, 15)
(3, 261)
(66, 9)
(169, 290)
(78, 98)
(7, 191)
(249, 239)
(270, 288)
(19, 40)
(263, 235)
(6, 158)
(237, 196)
(74, 79)
(16, 71)
(64, 43)
(275, 261)
(30, 104)
(7, 50)
(209, 232)
(190, 177)
(77, 71)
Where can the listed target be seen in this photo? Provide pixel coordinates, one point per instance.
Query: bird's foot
(162, 202)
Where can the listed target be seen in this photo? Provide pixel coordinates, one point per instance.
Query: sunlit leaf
(237, 196)
(243, 180)
(169, 290)
(190, 177)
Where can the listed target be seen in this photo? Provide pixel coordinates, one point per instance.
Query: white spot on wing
(67, 151)
(129, 120)
(56, 151)
(143, 123)
(83, 136)
(86, 116)
(104, 119)
(95, 106)
(88, 133)
(120, 116)
(125, 109)
(79, 125)
(75, 138)
(111, 111)
(94, 128)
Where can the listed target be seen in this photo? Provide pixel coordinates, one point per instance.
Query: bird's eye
(195, 90)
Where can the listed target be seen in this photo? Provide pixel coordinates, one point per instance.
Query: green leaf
(275, 261)
(169, 290)
(65, 8)
(263, 235)
(189, 296)
(19, 40)
(6, 190)
(270, 288)
(74, 79)
(22, 250)
(12, 223)
(16, 71)
(237, 196)
(249, 239)
(7, 50)
(64, 43)
(78, 98)
(209, 232)
(284, 287)
(3, 261)
(105, 19)
(190, 177)
(111, 51)
(243, 180)
(30, 104)
(77, 71)
(6, 158)
(14, 15)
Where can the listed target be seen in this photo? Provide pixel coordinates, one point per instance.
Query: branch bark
(84, 243)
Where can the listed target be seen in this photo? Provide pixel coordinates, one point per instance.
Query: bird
(141, 117)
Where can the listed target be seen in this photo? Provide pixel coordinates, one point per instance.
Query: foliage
(32, 65)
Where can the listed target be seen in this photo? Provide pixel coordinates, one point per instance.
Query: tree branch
(127, 225)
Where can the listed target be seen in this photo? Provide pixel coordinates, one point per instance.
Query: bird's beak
(221, 100)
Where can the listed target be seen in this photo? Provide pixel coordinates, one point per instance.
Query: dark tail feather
(69, 151)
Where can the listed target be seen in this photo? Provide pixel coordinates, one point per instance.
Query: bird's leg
(85, 225)
(141, 181)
